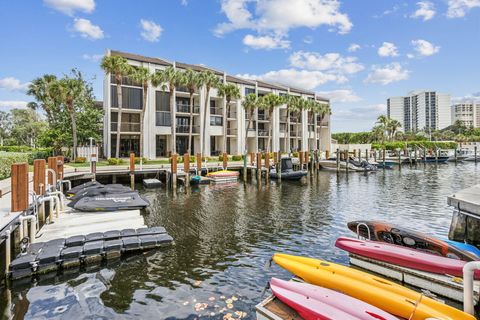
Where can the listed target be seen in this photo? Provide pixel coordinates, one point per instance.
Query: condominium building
(307, 131)
(421, 111)
(468, 113)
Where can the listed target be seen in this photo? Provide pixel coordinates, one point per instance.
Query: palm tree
(300, 105)
(193, 82)
(68, 91)
(289, 101)
(41, 89)
(142, 75)
(293, 109)
(118, 67)
(230, 92)
(323, 110)
(393, 126)
(173, 78)
(209, 80)
(383, 121)
(270, 102)
(250, 103)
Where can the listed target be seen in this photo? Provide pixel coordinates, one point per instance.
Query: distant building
(421, 110)
(468, 113)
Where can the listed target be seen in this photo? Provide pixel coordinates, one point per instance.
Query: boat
(465, 247)
(353, 165)
(403, 257)
(112, 202)
(460, 156)
(381, 293)
(287, 172)
(472, 158)
(313, 302)
(433, 159)
(223, 176)
(195, 180)
(386, 232)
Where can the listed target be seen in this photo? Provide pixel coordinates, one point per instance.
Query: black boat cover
(85, 185)
(112, 202)
(98, 190)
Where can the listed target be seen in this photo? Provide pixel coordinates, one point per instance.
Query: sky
(357, 53)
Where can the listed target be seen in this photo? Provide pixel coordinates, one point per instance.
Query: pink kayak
(316, 303)
(403, 256)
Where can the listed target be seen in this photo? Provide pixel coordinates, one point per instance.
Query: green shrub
(237, 157)
(9, 158)
(144, 160)
(80, 160)
(295, 154)
(114, 161)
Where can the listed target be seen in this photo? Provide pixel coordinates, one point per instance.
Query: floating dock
(274, 309)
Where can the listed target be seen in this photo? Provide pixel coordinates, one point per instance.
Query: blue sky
(358, 53)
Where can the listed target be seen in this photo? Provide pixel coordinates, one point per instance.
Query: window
(162, 101)
(131, 98)
(216, 121)
(249, 90)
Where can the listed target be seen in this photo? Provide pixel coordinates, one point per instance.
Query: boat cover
(112, 202)
(97, 191)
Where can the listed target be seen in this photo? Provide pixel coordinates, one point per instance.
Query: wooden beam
(19, 185)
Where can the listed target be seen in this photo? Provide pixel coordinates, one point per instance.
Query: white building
(158, 119)
(468, 113)
(421, 110)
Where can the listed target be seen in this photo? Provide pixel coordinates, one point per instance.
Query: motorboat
(352, 164)
(287, 172)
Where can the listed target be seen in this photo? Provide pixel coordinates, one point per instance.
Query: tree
(142, 75)
(41, 89)
(209, 80)
(193, 82)
(393, 125)
(250, 103)
(173, 78)
(322, 110)
(27, 127)
(230, 92)
(269, 103)
(383, 121)
(118, 67)
(5, 126)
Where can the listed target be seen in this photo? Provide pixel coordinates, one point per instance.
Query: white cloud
(308, 39)
(270, 15)
(426, 10)
(13, 104)
(425, 48)
(69, 7)
(370, 112)
(340, 95)
(13, 84)
(87, 29)
(390, 73)
(353, 47)
(266, 42)
(459, 8)
(474, 97)
(332, 62)
(387, 49)
(304, 79)
(151, 30)
(410, 56)
(92, 57)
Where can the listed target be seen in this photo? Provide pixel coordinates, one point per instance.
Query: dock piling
(267, 164)
(132, 170)
(174, 171)
(198, 159)
(475, 151)
(19, 187)
(93, 166)
(52, 173)
(338, 159)
(186, 169)
(383, 157)
(259, 165)
(225, 160)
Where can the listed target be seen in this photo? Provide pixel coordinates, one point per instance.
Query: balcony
(185, 108)
(163, 119)
(311, 128)
(262, 133)
(232, 131)
(186, 129)
(126, 126)
(263, 117)
(216, 111)
(283, 118)
(232, 114)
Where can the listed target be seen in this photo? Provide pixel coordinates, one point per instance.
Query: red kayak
(316, 303)
(404, 257)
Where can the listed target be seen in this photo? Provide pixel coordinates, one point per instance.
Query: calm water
(225, 235)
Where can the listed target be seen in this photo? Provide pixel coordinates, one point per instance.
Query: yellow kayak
(384, 294)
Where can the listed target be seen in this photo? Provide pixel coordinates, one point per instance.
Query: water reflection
(225, 234)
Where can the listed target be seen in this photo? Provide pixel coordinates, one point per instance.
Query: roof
(140, 58)
(270, 85)
(296, 90)
(467, 200)
(239, 80)
(197, 67)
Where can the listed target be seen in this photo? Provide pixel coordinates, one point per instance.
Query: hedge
(25, 149)
(415, 144)
(9, 158)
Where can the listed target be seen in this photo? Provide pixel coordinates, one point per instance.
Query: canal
(224, 236)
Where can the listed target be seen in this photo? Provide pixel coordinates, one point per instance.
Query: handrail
(468, 271)
(366, 226)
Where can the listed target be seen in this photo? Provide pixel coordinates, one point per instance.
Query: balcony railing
(263, 133)
(283, 118)
(232, 114)
(163, 119)
(216, 111)
(126, 126)
(186, 129)
(185, 108)
(311, 128)
(262, 116)
(232, 131)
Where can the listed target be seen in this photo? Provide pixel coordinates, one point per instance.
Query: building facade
(307, 131)
(468, 113)
(421, 111)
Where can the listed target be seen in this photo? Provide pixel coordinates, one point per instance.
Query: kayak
(385, 232)
(386, 295)
(316, 303)
(404, 257)
(465, 247)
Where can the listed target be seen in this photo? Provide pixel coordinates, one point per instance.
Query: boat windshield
(464, 228)
(287, 164)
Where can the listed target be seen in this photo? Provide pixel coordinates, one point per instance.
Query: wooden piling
(93, 166)
(252, 158)
(338, 159)
(174, 171)
(475, 151)
(383, 156)
(19, 187)
(346, 161)
(259, 165)
(52, 164)
(132, 170)
(198, 159)
(300, 158)
(225, 161)
(327, 154)
(186, 163)
(39, 176)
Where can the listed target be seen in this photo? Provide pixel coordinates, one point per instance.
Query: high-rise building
(299, 131)
(468, 113)
(421, 110)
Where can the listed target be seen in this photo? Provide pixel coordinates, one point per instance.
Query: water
(225, 235)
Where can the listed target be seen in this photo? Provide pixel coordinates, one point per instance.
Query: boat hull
(385, 232)
(386, 295)
(290, 175)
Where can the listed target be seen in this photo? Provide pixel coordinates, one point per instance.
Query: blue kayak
(464, 246)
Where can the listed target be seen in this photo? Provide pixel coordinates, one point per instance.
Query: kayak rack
(443, 285)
